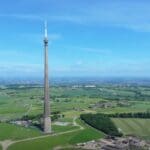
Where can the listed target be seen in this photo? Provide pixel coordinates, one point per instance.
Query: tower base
(47, 125)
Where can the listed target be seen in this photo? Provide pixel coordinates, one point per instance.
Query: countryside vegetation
(79, 114)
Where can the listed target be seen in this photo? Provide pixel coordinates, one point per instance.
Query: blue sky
(86, 37)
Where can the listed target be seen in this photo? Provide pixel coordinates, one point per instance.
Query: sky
(86, 37)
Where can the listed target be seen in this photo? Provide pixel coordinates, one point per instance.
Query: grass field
(28, 101)
(138, 127)
(70, 102)
(61, 140)
(137, 107)
(9, 131)
(47, 143)
(14, 132)
(57, 128)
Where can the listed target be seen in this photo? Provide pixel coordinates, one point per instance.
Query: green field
(8, 131)
(57, 128)
(66, 139)
(28, 101)
(138, 127)
(14, 132)
(19, 100)
(50, 142)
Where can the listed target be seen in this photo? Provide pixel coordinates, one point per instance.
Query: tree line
(101, 122)
(104, 123)
(145, 115)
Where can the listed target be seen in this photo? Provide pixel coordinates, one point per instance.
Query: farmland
(138, 127)
(66, 139)
(29, 100)
(70, 101)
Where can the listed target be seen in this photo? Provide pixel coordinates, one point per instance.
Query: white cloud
(96, 50)
(23, 16)
(20, 69)
(132, 15)
(90, 50)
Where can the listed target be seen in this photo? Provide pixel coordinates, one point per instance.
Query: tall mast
(47, 119)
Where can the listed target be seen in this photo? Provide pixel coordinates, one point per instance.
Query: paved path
(5, 144)
(76, 124)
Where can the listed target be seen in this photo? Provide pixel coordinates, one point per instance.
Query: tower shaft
(47, 119)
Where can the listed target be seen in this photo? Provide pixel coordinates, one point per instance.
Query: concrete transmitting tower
(47, 118)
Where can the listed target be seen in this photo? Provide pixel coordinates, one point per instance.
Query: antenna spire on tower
(46, 29)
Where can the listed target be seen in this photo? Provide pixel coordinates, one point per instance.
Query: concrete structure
(115, 143)
(47, 119)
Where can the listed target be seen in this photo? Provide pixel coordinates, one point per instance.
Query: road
(5, 144)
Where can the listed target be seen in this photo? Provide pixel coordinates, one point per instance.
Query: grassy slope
(8, 131)
(138, 127)
(61, 140)
(57, 128)
(0, 147)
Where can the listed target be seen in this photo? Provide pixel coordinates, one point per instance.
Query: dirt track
(5, 144)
